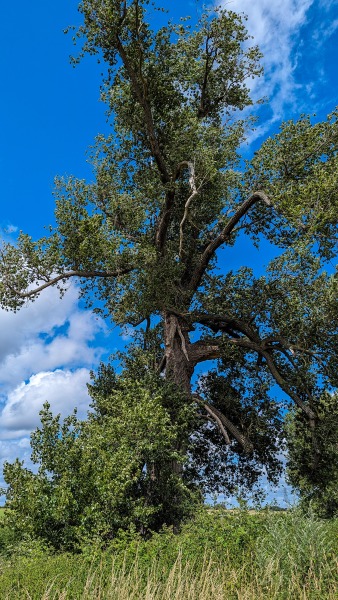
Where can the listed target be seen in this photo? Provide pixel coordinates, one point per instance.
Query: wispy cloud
(11, 229)
(281, 29)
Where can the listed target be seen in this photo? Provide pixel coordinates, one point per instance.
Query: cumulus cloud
(45, 335)
(63, 389)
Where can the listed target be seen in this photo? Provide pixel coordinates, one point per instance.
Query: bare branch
(214, 417)
(169, 201)
(194, 193)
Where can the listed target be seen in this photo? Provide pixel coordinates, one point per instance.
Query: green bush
(112, 472)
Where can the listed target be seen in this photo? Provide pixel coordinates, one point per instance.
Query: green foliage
(296, 546)
(170, 195)
(298, 168)
(238, 554)
(313, 458)
(258, 416)
(111, 472)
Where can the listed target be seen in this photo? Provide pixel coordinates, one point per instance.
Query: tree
(170, 196)
(312, 458)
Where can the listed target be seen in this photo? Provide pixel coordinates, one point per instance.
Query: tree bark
(179, 368)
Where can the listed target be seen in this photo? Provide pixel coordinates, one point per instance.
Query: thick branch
(224, 236)
(211, 349)
(285, 387)
(204, 350)
(246, 343)
(225, 324)
(164, 220)
(216, 419)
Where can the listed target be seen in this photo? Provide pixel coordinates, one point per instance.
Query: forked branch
(225, 425)
(224, 236)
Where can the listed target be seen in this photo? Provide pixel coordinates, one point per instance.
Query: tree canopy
(147, 240)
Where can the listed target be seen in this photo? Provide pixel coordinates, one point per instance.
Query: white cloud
(277, 26)
(324, 31)
(63, 389)
(11, 229)
(45, 335)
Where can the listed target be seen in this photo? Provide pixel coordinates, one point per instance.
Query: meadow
(220, 554)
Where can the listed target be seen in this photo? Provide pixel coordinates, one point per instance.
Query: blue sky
(50, 113)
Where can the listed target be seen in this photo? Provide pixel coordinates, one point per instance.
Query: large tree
(148, 240)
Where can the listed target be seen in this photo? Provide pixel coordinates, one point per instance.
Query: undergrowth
(218, 555)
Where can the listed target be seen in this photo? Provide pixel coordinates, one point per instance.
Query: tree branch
(204, 350)
(170, 196)
(225, 324)
(246, 343)
(207, 350)
(211, 57)
(154, 145)
(217, 415)
(68, 275)
(194, 193)
(224, 236)
(216, 419)
(164, 220)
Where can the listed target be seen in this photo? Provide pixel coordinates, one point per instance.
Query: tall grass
(182, 583)
(291, 557)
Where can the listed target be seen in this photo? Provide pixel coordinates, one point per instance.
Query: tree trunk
(179, 370)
